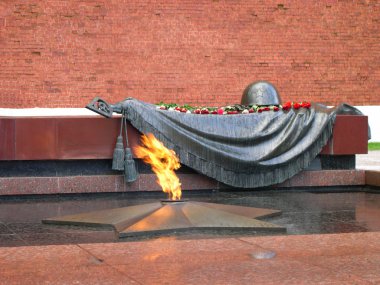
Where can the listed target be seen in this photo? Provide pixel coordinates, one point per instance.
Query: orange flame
(163, 162)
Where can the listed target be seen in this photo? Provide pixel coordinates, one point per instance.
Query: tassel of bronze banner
(130, 172)
(118, 153)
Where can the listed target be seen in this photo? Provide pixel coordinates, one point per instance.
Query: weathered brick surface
(56, 53)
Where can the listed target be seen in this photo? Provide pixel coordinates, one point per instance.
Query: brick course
(57, 53)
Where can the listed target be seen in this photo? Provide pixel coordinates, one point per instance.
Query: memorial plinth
(29, 141)
(60, 138)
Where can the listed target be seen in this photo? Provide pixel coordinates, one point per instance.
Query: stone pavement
(352, 258)
(370, 161)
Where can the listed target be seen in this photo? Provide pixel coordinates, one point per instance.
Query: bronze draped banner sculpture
(246, 150)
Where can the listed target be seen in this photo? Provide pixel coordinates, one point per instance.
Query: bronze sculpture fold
(245, 150)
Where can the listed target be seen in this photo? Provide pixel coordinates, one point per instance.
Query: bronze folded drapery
(245, 150)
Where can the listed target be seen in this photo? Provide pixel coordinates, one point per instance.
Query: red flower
(197, 111)
(205, 111)
(260, 110)
(251, 110)
(214, 112)
(296, 106)
(306, 105)
(220, 111)
(287, 106)
(275, 108)
(266, 109)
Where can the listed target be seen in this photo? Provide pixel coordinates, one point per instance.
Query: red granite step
(147, 182)
(352, 258)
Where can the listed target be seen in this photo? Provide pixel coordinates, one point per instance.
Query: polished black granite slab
(304, 212)
(59, 168)
(83, 167)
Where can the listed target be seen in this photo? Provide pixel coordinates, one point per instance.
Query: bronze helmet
(260, 93)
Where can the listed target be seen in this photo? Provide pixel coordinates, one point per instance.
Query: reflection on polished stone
(169, 217)
(302, 213)
(368, 213)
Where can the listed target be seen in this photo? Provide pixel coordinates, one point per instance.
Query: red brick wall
(58, 53)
